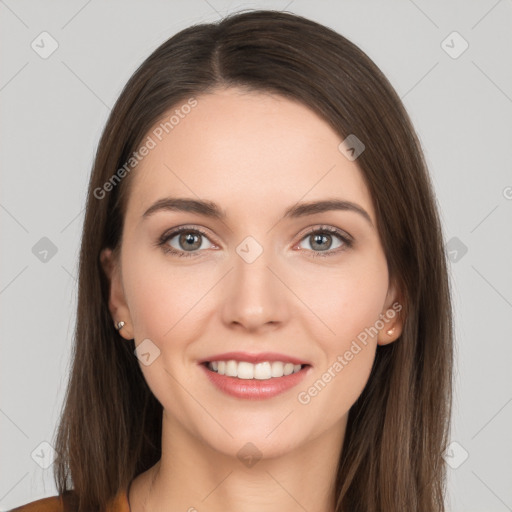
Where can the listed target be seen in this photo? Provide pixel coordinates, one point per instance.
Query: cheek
(346, 298)
(161, 297)
(337, 301)
(349, 302)
(165, 306)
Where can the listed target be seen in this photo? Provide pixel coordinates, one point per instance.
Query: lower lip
(254, 389)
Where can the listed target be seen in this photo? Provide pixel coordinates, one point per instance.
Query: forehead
(247, 151)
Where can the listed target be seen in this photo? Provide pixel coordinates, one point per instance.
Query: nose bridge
(253, 297)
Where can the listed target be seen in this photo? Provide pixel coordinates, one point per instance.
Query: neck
(192, 476)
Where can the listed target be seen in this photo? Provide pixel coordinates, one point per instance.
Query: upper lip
(253, 358)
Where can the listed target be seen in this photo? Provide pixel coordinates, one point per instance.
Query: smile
(261, 371)
(254, 376)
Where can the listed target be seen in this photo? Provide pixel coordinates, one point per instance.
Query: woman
(264, 317)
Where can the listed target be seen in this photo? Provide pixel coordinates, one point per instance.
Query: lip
(254, 358)
(254, 389)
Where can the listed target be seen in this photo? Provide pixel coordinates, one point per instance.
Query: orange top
(66, 503)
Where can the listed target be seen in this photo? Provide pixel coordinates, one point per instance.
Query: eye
(188, 241)
(326, 241)
(184, 241)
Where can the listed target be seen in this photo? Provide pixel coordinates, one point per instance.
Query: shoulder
(51, 504)
(68, 502)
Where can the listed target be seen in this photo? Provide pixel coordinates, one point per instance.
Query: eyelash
(347, 241)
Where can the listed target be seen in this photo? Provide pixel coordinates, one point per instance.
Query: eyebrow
(212, 210)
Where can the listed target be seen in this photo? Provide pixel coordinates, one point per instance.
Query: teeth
(243, 370)
(277, 369)
(231, 369)
(288, 368)
(259, 371)
(262, 371)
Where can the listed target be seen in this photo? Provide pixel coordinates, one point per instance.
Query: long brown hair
(110, 430)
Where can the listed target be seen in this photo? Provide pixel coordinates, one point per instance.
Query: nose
(255, 299)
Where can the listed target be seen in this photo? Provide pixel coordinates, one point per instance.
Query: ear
(116, 302)
(392, 316)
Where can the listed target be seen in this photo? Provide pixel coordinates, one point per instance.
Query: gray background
(53, 110)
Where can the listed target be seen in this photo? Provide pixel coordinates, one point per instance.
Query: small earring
(120, 325)
(389, 332)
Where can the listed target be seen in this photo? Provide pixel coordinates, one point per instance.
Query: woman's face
(305, 291)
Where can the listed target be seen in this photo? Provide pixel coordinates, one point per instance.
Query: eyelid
(326, 228)
(172, 232)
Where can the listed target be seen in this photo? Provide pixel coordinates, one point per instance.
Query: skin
(255, 155)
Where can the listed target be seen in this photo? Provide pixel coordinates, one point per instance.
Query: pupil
(320, 238)
(188, 240)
